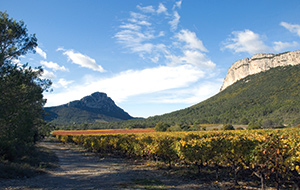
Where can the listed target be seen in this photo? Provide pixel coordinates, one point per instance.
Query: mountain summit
(97, 107)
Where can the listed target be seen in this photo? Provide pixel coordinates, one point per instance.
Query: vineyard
(271, 155)
(102, 131)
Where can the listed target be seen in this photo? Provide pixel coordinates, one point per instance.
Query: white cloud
(136, 35)
(191, 40)
(280, 46)
(131, 26)
(48, 75)
(252, 43)
(191, 95)
(193, 57)
(136, 17)
(82, 60)
(138, 42)
(182, 48)
(294, 28)
(247, 41)
(62, 83)
(54, 66)
(147, 9)
(131, 83)
(16, 61)
(161, 9)
(41, 52)
(174, 23)
(178, 3)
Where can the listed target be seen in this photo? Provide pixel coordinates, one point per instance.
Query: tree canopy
(21, 100)
(14, 39)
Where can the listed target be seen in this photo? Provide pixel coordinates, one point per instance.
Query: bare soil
(79, 169)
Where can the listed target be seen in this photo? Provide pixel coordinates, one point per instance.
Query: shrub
(227, 127)
(161, 126)
(253, 126)
(174, 128)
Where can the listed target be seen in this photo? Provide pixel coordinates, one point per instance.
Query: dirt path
(82, 170)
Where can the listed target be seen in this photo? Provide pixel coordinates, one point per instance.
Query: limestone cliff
(259, 63)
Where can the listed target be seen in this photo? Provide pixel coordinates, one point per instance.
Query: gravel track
(80, 169)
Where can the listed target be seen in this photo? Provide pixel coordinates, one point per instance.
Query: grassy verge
(37, 161)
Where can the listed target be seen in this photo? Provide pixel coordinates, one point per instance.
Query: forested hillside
(271, 95)
(269, 98)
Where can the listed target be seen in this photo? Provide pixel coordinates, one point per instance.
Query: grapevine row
(268, 153)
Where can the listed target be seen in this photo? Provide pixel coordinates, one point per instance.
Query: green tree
(21, 100)
(161, 126)
(15, 41)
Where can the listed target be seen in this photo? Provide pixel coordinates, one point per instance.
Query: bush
(161, 126)
(174, 128)
(227, 127)
(253, 126)
(185, 127)
(195, 128)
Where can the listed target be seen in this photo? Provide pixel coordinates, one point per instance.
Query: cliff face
(259, 63)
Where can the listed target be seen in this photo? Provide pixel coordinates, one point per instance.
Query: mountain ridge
(93, 108)
(268, 98)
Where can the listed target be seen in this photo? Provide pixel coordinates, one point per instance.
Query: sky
(151, 57)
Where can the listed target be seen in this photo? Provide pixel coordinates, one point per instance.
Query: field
(273, 156)
(107, 131)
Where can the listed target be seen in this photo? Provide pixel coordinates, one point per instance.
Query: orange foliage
(103, 131)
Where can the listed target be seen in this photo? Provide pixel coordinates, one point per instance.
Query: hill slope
(273, 94)
(94, 108)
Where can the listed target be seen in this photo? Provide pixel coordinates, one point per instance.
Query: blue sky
(150, 57)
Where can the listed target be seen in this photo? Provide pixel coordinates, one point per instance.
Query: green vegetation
(66, 115)
(21, 99)
(271, 95)
(161, 126)
(227, 127)
(269, 99)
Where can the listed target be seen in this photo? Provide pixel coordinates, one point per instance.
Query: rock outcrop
(97, 100)
(97, 107)
(259, 63)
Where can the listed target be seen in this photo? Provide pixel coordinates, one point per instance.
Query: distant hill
(97, 107)
(270, 97)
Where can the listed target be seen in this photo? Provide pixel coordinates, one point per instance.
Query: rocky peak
(97, 100)
(259, 63)
(93, 108)
(99, 103)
